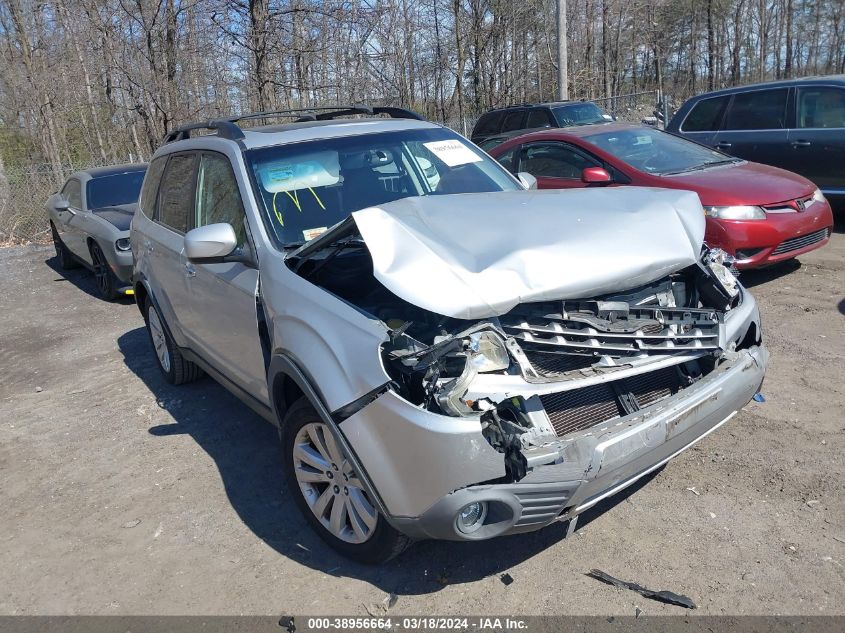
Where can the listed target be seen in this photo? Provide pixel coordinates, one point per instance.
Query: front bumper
(594, 466)
(121, 265)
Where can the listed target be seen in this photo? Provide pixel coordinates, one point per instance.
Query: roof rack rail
(224, 128)
(228, 128)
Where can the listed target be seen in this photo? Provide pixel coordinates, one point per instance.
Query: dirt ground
(123, 495)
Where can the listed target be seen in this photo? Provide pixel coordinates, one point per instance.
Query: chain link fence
(23, 194)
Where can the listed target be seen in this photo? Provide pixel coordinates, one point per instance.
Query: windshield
(109, 191)
(579, 114)
(305, 188)
(656, 152)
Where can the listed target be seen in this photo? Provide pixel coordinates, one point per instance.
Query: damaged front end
(546, 370)
(512, 407)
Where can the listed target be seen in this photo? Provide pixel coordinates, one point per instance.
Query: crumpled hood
(474, 256)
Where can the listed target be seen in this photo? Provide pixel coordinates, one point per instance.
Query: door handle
(801, 143)
(190, 271)
(723, 145)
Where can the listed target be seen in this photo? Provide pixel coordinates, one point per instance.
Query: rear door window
(821, 107)
(513, 121)
(705, 115)
(149, 190)
(72, 192)
(757, 110)
(176, 198)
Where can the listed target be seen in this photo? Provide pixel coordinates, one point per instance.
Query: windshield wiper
(701, 167)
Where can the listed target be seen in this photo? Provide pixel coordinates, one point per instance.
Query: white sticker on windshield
(452, 152)
(310, 234)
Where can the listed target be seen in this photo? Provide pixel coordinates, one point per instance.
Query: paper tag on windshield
(452, 152)
(310, 234)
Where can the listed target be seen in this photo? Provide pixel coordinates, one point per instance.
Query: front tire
(329, 493)
(176, 369)
(66, 260)
(103, 275)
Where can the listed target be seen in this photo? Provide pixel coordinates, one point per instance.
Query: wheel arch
(141, 294)
(286, 380)
(288, 383)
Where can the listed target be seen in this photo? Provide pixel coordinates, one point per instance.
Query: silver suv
(446, 354)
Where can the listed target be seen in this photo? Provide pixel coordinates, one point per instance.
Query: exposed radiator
(579, 409)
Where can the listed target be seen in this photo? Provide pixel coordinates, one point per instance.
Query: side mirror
(595, 176)
(61, 204)
(210, 244)
(528, 181)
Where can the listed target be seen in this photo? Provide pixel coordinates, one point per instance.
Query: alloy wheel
(101, 270)
(330, 486)
(159, 340)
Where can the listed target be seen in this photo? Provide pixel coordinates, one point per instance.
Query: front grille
(640, 329)
(794, 243)
(550, 363)
(580, 409)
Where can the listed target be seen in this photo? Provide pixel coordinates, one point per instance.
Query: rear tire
(66, 260)
(176, 370)
(106, 280)
(328, 492)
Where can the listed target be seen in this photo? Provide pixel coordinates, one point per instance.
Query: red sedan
(759, 214)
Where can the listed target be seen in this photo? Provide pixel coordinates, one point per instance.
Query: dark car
(531, 116)
(798, 125)
(757, 213)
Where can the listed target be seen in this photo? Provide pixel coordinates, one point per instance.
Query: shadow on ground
(245, 449)
(757, 276)
(80, 277)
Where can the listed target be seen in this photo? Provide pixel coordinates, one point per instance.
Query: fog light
(471, 517)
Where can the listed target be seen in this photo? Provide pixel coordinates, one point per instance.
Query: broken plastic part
(669, 597)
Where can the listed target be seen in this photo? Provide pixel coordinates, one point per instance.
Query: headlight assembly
(737, 212)
(717, 262)
(488, 352)
(818, 196)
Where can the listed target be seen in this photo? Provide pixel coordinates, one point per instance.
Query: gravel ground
(123, 495)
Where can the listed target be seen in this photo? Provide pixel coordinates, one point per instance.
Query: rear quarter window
(705, 115)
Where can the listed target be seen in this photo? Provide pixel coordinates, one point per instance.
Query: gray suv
(446, 354)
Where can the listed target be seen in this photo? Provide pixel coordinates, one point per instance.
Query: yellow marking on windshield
(295, 199)
(317, 198)
(276, 211)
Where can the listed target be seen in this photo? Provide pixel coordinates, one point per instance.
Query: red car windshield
(656, 152)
